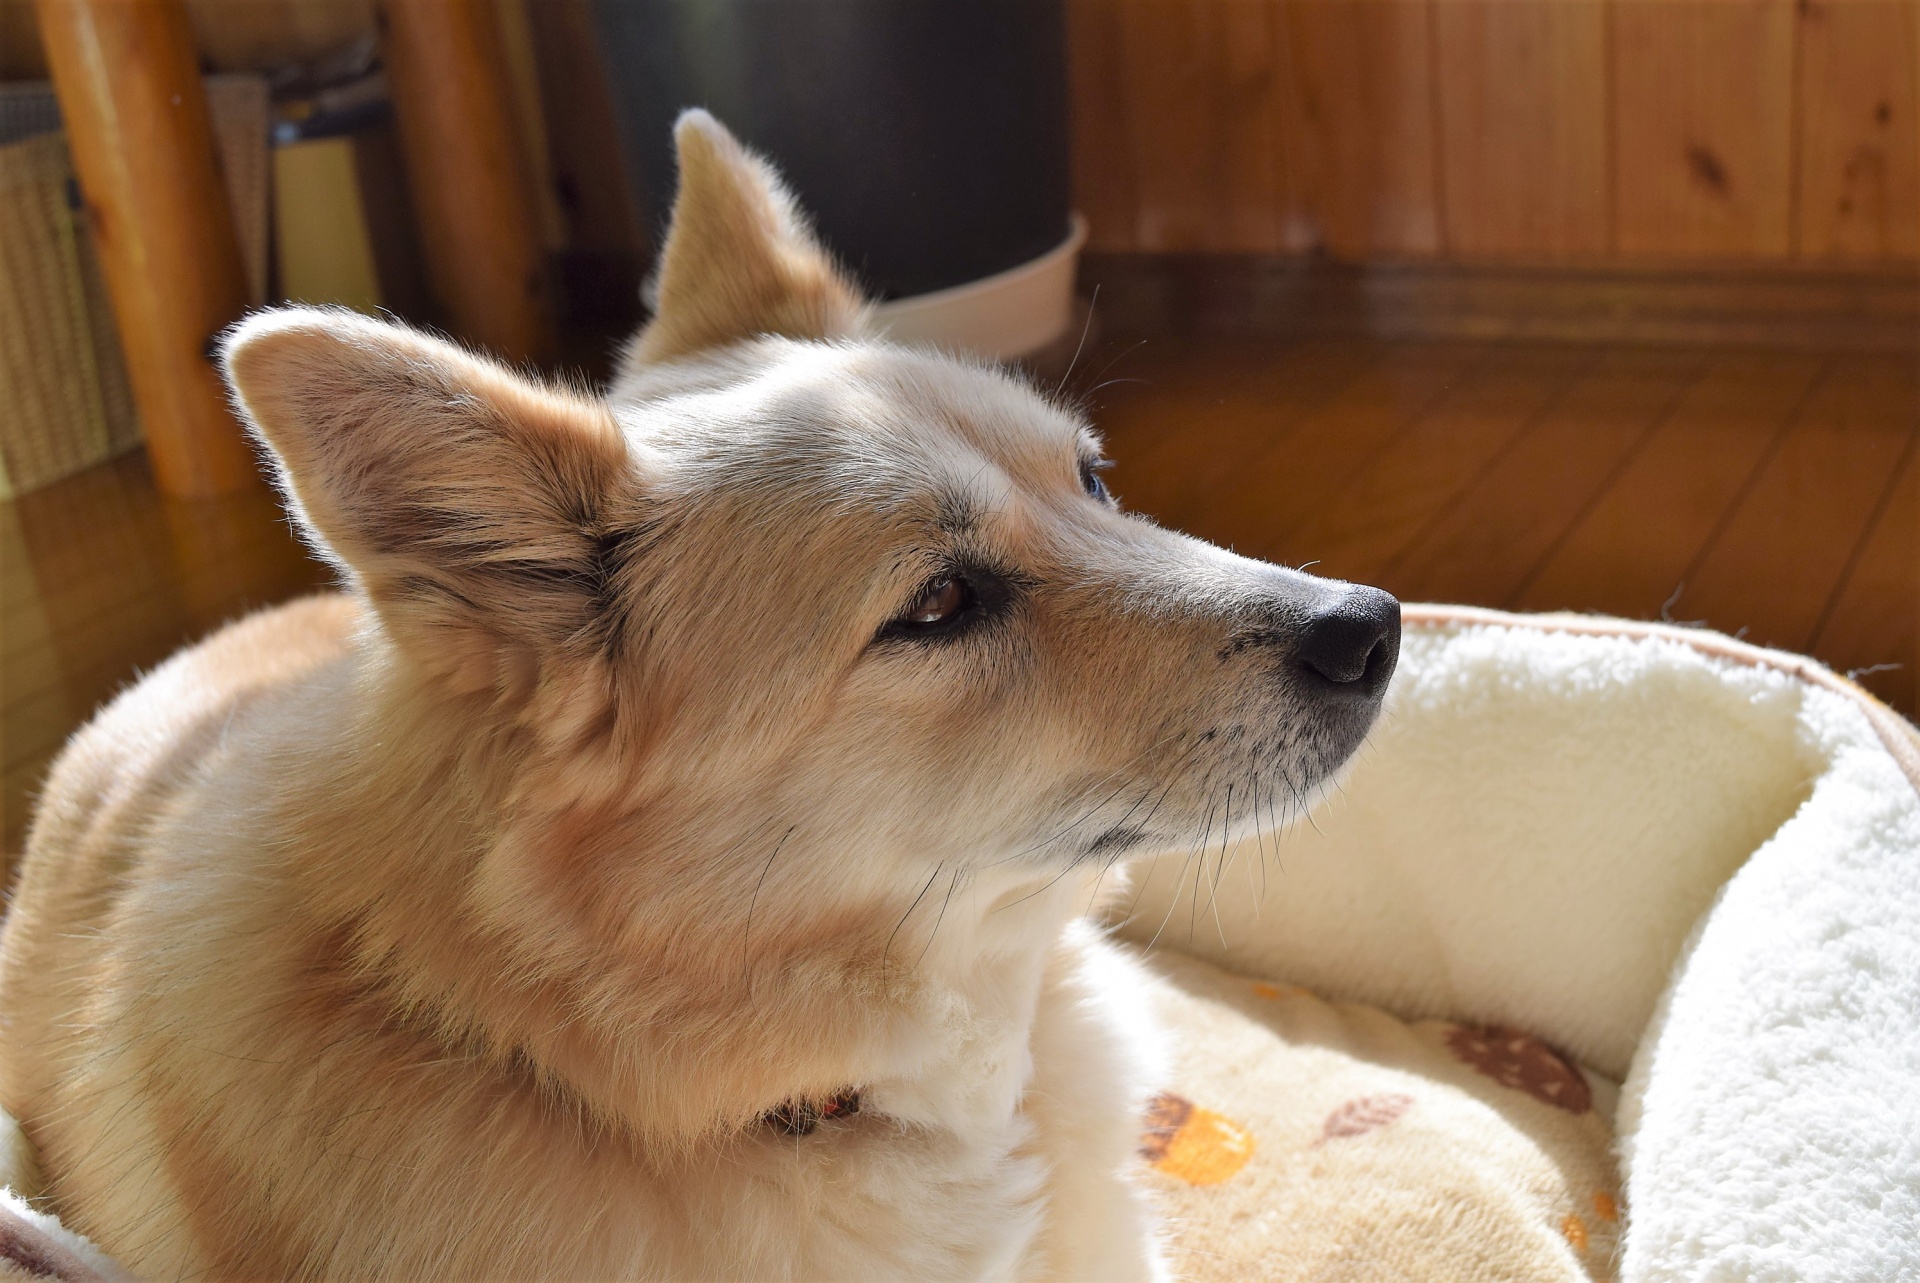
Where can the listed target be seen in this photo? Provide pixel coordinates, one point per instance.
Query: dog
(670, 854)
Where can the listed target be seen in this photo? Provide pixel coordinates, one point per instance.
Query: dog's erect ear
(739, 259)
(468, 501)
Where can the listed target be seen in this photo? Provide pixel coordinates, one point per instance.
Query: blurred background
(1605, 305)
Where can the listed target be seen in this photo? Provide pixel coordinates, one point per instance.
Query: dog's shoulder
(117, 779)
(124, 767)
(163, 725)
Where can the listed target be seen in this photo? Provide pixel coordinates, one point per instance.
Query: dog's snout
(1354, 641)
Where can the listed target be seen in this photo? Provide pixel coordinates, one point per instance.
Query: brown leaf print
(1524, 1063)
(1363, 1114)
(1166, 1113)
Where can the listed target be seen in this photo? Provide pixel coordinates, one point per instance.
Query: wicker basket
(64, 398)
(65, 402)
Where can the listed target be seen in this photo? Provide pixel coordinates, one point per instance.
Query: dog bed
(1604, 963)
(1679, 864)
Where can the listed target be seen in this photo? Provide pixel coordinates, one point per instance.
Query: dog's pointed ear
(470, 503)
(739, 258)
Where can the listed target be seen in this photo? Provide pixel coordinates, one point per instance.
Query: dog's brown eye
(950, 607)
(943, 600)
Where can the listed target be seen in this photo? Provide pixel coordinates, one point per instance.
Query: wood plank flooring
(1774, 494)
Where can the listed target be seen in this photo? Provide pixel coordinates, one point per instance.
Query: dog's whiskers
(887, 951)
(1085, 329)
(941, 917)
(1219, 868)
(1199, 867)
(1096, 808)
(1178, 879)
(1085, 397)
(746, 943)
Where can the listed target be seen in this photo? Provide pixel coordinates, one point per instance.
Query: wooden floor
(1767, 494)
(1771, 494)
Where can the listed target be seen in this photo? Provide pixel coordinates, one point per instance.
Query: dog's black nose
(1354, 641)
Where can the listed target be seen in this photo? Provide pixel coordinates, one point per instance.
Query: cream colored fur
(470, 923)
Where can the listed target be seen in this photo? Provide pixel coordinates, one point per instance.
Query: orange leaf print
(1196, 1145)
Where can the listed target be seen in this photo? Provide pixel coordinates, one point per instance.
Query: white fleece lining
(1699, 862)
(1770, 1128)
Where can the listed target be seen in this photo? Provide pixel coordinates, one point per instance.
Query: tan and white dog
(668, 857)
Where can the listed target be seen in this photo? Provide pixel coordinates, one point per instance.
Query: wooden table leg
(479, 228)
(137, 124)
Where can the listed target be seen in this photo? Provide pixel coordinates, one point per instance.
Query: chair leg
(137, 124)
(479, 228)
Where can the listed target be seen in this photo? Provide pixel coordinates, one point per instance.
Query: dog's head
(797, 617)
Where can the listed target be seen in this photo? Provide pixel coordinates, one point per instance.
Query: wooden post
(137, 124)
(478, 224)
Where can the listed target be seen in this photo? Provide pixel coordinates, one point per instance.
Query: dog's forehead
(862, 414)
(985, 407)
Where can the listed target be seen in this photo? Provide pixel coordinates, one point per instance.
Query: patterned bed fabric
(1313, 1138)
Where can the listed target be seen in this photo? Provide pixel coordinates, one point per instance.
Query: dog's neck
(925, 1006)
(979, 976)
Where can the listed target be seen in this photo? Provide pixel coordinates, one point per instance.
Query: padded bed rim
(1899, 736)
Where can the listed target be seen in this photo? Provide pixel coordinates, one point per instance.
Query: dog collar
(799, 1117)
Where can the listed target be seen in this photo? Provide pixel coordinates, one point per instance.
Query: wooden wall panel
(1859, 150)
(1746, 130)
(1197, 121)
(1579, 131)
(1359, 127)
(1100, 100)
(1522, 91)
(1703, 119)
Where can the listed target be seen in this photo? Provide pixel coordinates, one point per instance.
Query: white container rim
(1005, 316)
